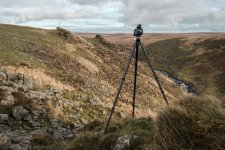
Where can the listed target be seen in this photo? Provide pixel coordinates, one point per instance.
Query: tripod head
(138, 31)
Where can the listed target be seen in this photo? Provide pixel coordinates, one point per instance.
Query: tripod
(134, 49)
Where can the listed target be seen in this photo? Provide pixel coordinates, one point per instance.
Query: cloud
(89, 2)
(26, 15)
(156, 16)
(175, 15)
(45, 10)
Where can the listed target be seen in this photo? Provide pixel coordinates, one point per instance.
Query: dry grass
(195, 123)
(38, 76)
(45, 142)
(54, 109)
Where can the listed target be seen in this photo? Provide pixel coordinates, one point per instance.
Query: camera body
(138, 31)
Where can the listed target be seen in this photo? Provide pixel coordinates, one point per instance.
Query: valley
(63, 84)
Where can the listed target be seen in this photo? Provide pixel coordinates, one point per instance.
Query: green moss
(92, 140)
(45, 142)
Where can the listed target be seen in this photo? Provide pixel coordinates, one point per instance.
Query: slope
(198, 60)
(87, 68)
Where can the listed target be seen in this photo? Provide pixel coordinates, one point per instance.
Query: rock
(15, 147)
(81, 109)
(122, 114)
(4, 118)
(4, 128)
(39, 112)
(4, 142)
(93, 101)
(126, 142)
(19, 112)
(20, 82)
(63, 133)
(12, 77)
(35, 124)
(36, 95)
(28, 118)
(40, 132)
(65, 33)
(15, 140)
(105, 112)
(84, 121)
(8, 100)
(28, 83)
(54, 123)
(3, 76)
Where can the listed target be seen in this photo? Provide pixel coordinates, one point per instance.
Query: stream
(184, 86)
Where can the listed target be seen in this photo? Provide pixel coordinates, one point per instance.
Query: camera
(138, 31)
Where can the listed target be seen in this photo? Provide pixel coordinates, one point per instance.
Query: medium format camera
(138, 31)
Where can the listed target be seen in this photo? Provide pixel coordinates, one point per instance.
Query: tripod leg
(119, 89)
(135, 78)
(155, 76)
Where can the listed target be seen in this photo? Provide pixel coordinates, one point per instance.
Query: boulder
(4, 128)
(11, 77)
(4, 118)
(19, 112)
(28, 83)
(55, 123)
(126, 142)
(3, 76)
(8, 100)
(122, 114)
(4, 142)
(63, 134)
(15, 140)
(38, 112)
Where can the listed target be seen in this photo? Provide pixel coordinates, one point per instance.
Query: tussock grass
(92, 140)
(45, 142)
(194, 123)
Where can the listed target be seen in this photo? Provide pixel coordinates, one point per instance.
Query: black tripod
(135, 48)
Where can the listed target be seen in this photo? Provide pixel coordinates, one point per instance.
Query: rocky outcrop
(15, 140)
(19, 112)
(24, 112)
(65, 33)
(105, 42)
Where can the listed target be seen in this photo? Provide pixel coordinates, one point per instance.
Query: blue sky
(113, 16)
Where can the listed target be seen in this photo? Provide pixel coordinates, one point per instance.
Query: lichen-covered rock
(4, 128)
(29, 111)
(65, 33)
(125, 142)
(4, 142)
(19, 112)
(15, 140)
(63, 133)
(8, 100)
(4, 118)
(3, 76)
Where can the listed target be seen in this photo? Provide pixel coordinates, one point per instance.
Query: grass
(90, 140)
(192, 123)
(45, 142)
(195, 123)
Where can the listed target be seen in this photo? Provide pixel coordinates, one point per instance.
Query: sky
(117, 16)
